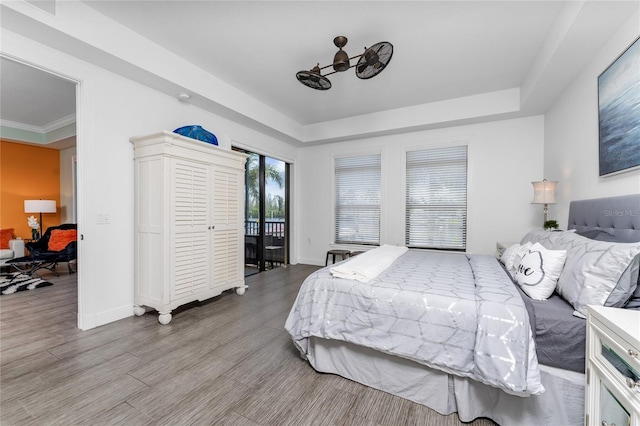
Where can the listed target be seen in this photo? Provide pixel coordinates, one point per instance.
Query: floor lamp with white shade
(40, 206)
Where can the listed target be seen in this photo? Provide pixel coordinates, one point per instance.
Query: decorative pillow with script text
(539, 270)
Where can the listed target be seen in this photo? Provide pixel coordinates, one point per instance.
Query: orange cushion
(5, 236)
(60, 238)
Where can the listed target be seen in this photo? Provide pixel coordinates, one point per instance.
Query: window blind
(357, 201)
(436, 198)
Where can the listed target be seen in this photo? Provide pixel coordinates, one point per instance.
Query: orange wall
(27, 172)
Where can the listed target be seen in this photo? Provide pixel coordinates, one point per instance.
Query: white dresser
(613, 367)
(189, 222)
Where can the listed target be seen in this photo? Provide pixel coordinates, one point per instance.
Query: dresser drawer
(613, 367)
(618, 357)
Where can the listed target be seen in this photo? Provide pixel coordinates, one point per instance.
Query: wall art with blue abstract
(619, 113)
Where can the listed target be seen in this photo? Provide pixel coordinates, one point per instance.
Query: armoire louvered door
(228, 225)
(189, 223)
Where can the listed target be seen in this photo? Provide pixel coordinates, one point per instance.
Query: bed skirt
(561, 404)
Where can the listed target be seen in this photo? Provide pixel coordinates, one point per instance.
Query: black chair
(251, 249)
(40, 257)
(278, 253)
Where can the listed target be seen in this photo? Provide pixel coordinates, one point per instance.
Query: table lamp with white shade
(544, 192)
(40, 206)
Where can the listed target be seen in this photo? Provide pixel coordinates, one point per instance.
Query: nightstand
(502, 246)
(613, 367)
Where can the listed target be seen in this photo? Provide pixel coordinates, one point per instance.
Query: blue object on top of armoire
(197, 132)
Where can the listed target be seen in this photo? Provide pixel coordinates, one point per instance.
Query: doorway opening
(36, 129)
(266, 218)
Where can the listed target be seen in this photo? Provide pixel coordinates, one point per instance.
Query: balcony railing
(271, 228)
(273, 242)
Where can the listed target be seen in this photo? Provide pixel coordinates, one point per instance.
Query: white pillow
(512, 256)
(539, 270)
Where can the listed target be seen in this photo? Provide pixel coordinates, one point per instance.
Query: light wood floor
(227, 361)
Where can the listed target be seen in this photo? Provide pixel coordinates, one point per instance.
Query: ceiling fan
(371, 63)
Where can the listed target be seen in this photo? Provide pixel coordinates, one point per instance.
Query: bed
(538, 375)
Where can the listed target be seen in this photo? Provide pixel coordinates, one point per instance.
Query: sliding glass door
(266, 213)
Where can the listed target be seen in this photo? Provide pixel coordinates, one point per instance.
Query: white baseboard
(114, 315)
(88, 322)
(315, 262)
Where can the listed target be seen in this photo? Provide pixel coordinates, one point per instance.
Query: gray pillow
(599, 235)
(634, 300)
(605, 236)
(595, 272)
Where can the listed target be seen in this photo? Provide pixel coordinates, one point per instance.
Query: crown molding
(54, 125)
(21, 126)
(60, 123)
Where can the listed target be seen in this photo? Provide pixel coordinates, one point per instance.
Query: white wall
(111, 109)
(571, 134)
(504, 158)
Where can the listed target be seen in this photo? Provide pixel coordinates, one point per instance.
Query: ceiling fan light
(341, 61)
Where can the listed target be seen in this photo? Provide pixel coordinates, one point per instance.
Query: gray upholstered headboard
(618, 216)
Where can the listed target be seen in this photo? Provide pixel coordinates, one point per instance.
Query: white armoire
(189, 222)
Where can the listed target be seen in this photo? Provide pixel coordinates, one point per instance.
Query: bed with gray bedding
(453, 312)
(446, 375)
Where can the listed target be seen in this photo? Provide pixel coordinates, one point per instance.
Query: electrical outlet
(103, 219)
